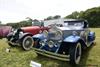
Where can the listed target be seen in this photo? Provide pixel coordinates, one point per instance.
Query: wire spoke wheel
(27, 43)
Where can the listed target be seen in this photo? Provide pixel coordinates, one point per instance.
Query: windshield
(37, 23)
(73, 23)
(55, 34)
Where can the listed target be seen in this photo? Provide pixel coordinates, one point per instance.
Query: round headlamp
(42, 43)
(51, 44)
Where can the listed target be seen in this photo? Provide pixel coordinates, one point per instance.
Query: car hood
(30, 27)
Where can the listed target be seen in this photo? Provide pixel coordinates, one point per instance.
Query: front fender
(21, 35)
(72, 39)
(39, 36)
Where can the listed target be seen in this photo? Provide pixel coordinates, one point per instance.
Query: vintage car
(65, 42)
(4, 31)
(24, 34)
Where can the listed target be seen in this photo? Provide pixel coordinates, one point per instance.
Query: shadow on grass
(16, 49)
(49, 62)
(84, 57)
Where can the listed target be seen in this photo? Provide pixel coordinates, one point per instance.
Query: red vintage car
(23, 36)
(4, 31)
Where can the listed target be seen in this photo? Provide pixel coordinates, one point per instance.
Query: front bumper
(52, 55)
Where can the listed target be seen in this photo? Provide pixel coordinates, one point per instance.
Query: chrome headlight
(74, 33)
(50, 44)
(42, 42)
(15, 31)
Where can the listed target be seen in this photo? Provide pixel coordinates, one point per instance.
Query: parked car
(24, 34)
(4, 31)
(65, 42)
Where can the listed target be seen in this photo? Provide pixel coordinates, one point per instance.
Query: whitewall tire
(75, 53)
(27, 43)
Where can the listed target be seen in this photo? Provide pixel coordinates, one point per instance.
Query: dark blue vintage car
(65, 42)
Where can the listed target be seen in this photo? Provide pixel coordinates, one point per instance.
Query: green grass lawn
(19, 58)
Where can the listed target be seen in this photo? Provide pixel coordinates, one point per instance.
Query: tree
(29, 18)
(14, 25)
(74, 15)
(56, 17)
(0, 22)
(35, 20)
(49, 18)
(91, 15)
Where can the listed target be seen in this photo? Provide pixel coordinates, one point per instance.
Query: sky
(17, 10)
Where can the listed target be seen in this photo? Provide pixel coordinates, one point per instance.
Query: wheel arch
(83, 44)
(66, 45)
(24, 35)
(22, 40)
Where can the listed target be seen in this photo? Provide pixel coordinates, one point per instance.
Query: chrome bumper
(52, 55)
